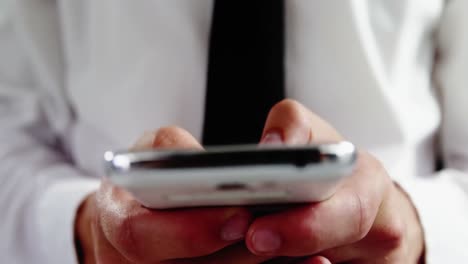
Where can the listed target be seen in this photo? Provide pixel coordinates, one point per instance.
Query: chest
(139, 66)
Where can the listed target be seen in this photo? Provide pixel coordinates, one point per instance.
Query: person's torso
(365, 66)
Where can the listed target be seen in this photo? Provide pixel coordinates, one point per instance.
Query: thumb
(171, 137)
(292, 123)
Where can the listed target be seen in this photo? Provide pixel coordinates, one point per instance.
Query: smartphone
(232, 175)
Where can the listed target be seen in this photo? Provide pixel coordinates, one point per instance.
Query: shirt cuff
(442, 206)
(56, 213)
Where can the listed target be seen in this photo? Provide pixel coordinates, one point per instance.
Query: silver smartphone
(232, 175)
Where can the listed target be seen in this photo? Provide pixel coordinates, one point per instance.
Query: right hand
(112, 227)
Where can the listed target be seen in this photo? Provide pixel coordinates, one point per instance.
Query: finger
(341, 220)
(382, 241)
(317, 260)
(297, 125)
(234, 254)
(144, 235)
(171, 137)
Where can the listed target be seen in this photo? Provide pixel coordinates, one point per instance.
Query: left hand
(368, 220)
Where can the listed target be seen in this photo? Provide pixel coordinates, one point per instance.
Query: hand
(112, 227)
(368, 220)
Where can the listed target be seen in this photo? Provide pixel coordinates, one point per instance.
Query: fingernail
(235, 228)
(266, 241)
(145, 141)
(272, 138)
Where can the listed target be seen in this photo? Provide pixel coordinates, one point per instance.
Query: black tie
(245, 69)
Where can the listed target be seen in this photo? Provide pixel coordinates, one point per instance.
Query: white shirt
(81, 77)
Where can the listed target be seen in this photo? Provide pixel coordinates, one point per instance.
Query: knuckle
(393, 234)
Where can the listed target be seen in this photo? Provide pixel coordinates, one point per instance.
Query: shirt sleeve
(442, 199)
(40, 189)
